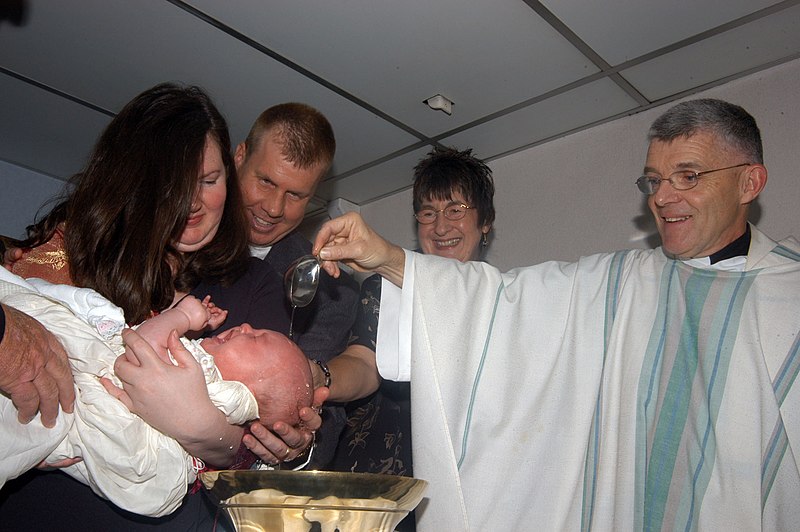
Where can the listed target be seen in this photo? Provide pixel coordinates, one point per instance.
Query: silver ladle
(301, 281)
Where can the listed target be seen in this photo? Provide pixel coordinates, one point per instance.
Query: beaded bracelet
(324, 367)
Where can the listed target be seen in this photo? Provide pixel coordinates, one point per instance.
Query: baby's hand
(216, 315)
(196, 311)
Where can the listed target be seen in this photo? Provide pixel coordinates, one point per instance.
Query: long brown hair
(130, 204)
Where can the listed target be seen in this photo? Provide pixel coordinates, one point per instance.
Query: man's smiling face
(275, 191)
(700, 221)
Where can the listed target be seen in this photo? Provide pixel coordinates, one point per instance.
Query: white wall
(576, 195)
(24, 192)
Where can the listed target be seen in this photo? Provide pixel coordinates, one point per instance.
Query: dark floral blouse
(377, 436)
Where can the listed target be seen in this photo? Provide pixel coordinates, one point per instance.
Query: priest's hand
(34, 370)
(350, 240)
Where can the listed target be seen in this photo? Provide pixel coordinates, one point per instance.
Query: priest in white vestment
(645, 389)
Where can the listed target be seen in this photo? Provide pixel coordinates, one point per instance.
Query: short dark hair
(447, 170)
(306, 135)
(730, 123)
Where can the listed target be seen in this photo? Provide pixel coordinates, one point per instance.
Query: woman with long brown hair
(157, 214)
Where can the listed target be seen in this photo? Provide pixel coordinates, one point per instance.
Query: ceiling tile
(620, 30)
(133, 46)
(484, 56)
(551, 117)
(772, 38)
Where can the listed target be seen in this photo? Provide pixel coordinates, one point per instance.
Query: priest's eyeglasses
(681, 180)
(453, 212)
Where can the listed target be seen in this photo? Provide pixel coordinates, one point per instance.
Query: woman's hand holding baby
(173, 398)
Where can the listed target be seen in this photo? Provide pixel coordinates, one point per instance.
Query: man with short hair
(288, 151)
(638, 390)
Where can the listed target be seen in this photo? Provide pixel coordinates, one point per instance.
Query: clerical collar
(732, 258)
(739, 247)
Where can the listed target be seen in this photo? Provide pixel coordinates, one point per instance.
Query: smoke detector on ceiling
(440, 103)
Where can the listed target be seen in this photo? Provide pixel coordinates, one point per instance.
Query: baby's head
(270, 365)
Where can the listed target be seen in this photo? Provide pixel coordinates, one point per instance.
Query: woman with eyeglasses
(453, 204)
(454, 210)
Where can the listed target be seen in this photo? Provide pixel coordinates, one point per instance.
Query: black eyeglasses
(681, 180)
(454, 211)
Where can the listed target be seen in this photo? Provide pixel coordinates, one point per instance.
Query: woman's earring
(484, 239)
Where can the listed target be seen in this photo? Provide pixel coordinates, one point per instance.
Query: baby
(272, 367)
(123, 459)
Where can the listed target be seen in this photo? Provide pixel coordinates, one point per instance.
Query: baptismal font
(310, 501)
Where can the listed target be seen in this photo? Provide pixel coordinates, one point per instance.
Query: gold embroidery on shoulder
(55, 259)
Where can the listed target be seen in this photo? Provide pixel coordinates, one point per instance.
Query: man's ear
(240, 155)
(755, 179)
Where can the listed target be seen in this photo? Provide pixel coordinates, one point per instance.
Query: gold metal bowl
(313, 500)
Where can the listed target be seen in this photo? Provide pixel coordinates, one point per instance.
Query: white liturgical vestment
(625, 391)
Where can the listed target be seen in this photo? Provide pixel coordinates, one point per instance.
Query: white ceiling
(520, 72)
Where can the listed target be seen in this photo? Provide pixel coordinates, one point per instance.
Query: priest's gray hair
(729, 122)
